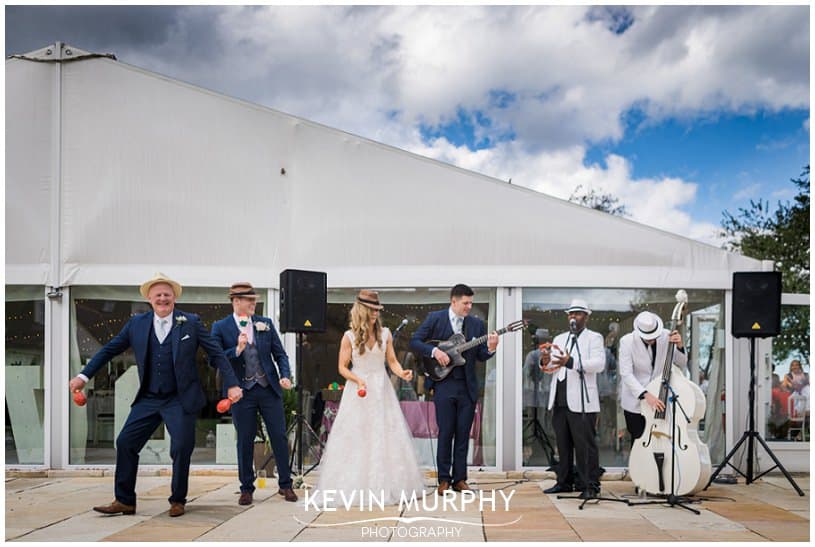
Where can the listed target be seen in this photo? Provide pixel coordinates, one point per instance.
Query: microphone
(402, 325)
(573, 325)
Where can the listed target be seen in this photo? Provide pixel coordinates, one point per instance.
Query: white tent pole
(56, 365)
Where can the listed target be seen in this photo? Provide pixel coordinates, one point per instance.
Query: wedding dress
(369, 447)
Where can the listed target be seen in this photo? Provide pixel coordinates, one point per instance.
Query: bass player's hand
(654, 402)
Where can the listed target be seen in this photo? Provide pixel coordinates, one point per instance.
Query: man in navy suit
(455, 396)
(165, 342)
(250, 342)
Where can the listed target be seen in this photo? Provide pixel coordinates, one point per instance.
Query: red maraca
(224, 405)
(79, 398)
(361, 392)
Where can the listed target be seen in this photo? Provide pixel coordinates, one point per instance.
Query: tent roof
(148, 173)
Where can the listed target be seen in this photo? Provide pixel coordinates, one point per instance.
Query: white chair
(798, 412)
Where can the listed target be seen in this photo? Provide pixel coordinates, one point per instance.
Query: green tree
(601, 202)
(780, 235)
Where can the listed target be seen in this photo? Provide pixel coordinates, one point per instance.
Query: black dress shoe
(558, 489)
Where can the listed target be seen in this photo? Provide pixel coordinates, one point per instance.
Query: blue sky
(734, 158)
(679, 111)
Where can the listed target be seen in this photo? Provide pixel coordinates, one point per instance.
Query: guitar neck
(478, 341)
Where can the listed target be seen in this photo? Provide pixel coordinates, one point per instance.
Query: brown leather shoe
(176, 509)
(461, 486)
(288, 493)
(443, 485)
(245, 499)
(115, 508)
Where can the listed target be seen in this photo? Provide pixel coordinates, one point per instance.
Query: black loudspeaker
(756, 304)
(302, 301)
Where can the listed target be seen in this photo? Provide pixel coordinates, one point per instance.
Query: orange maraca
(79, 398)
(224, 405)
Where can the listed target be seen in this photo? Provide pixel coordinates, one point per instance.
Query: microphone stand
(538, 433)
(671, 499)
(584, 398)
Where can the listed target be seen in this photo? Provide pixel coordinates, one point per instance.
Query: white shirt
(451, 314)
(248, 330)
(167, 326)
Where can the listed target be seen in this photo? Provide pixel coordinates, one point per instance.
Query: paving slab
(269, 518)
(608, 529)
(93, 526)
(711, 536)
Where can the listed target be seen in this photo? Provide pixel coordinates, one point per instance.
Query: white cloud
(381, 72)
(748, 192)
(654, 202)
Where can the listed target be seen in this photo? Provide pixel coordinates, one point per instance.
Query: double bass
(669, 457)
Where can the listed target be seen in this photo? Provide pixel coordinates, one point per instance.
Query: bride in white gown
(369, 450)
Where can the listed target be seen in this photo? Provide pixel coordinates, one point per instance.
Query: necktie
(162, 328)
(457, 321)
(653, 355)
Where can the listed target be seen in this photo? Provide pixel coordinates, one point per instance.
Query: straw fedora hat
(370, 299)
(160, 278)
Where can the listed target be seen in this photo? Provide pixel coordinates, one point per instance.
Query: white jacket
(593, 354)
(635, 366)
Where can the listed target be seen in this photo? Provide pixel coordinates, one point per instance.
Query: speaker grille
(756, 304)
(302, 301)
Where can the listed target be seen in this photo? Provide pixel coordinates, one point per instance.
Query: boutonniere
(261, 326)
(179, 319)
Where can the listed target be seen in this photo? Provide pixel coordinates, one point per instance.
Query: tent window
(613, 312)
(25, 355)
(97, 315)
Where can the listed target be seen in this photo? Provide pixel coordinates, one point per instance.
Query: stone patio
(56, 506)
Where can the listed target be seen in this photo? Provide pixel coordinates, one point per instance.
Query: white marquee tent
(142, 173)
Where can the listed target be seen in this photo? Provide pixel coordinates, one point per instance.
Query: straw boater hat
(160, 278)
(578, 304)
(243, 289)
(648, 325)
(370, 299)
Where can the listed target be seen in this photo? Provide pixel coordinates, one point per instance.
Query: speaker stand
(751, 435)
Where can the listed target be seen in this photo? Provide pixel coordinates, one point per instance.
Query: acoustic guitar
(455, 346)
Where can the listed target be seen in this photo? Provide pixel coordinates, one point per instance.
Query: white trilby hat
(648, 325)
(578, 304)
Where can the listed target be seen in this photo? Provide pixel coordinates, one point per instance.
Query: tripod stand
(751, 435)
(298, 423)
(539, 434)
(671, 499)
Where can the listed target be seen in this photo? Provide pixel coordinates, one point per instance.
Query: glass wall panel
(25, 392)
(613, 312)
(788, 416)
(320, 357)
(97, 315)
